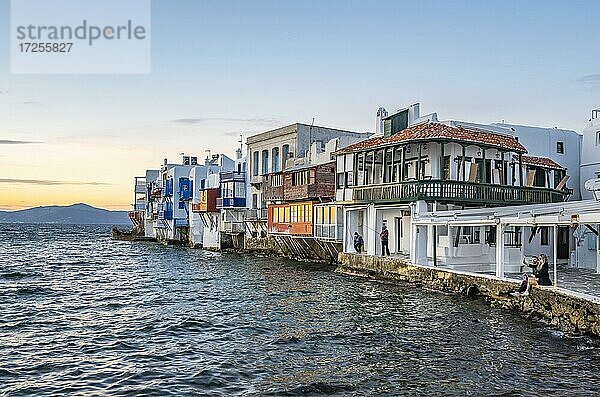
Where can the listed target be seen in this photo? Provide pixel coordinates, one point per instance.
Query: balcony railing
(256, 214)
(457, 191)
(231, 202)
(228, 176)
(232, 227)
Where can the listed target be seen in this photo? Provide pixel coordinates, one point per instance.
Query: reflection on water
(83, 315)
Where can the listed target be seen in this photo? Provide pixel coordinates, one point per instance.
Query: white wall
(541, 142)
(590, 156)
(212, 233)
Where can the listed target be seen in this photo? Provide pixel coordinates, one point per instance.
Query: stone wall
(564, 310)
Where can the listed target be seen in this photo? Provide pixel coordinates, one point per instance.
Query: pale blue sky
(248, 66)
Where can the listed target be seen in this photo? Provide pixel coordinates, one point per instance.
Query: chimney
(414, 112)
(381, 114)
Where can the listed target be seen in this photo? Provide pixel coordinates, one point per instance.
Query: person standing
(385, 238)
(358, 242)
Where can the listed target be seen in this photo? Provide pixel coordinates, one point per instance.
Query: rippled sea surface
(81, 314)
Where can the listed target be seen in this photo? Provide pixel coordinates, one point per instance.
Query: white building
(506, 236)
(274, 150)
(171, 193)
(590, 153)
(441, 165)
(205, 225)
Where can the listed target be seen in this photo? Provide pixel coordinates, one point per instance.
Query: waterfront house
(232, 203)
(422, 163)
(292, 193)
(273, 152)
(141, 214)
(207, 232)
(171, 191)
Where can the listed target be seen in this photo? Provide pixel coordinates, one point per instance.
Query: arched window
(275, 160)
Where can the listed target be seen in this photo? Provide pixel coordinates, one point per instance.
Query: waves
(83, 315)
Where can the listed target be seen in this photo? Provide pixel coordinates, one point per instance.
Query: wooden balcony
(208, 201)
(456, 192)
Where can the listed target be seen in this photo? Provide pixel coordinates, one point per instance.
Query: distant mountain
(71, 214)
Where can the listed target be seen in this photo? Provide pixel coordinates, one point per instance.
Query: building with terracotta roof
(442, 165)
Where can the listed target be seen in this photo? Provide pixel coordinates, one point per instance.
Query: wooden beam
(464, 161)
(402, 161)
(442, 160)
(520, 170)
(592, 229)
(484, 166)
(419, 150)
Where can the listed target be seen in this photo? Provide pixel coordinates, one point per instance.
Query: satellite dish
(594, 186)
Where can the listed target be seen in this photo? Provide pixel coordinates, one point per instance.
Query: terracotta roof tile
(542, 162)
(436, 132)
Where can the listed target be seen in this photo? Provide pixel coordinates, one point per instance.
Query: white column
(346, 232)
(555, 254)
(598, 250)
(413, 243)
(500, 228)
(371, 230)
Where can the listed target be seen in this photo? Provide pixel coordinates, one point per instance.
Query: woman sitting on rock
(542, 274)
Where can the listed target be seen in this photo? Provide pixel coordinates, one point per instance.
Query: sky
(221, 69)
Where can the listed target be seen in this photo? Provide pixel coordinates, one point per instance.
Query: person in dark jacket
(385, 238)
(358, 242)
(542, 274)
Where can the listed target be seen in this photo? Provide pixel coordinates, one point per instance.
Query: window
(469, 235)
(287, 214)
(240, 190)
(255, 163)
(597, 138)
(341, 180)
(446, 168)
(544, 235)
(540, 176)
(255, 201)
(227, 190)
(265, 162)
(285, 155)
(275, 215)
(300, 178)
(349, 178)
(294, 214)
(560, 147)
(275, 156)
